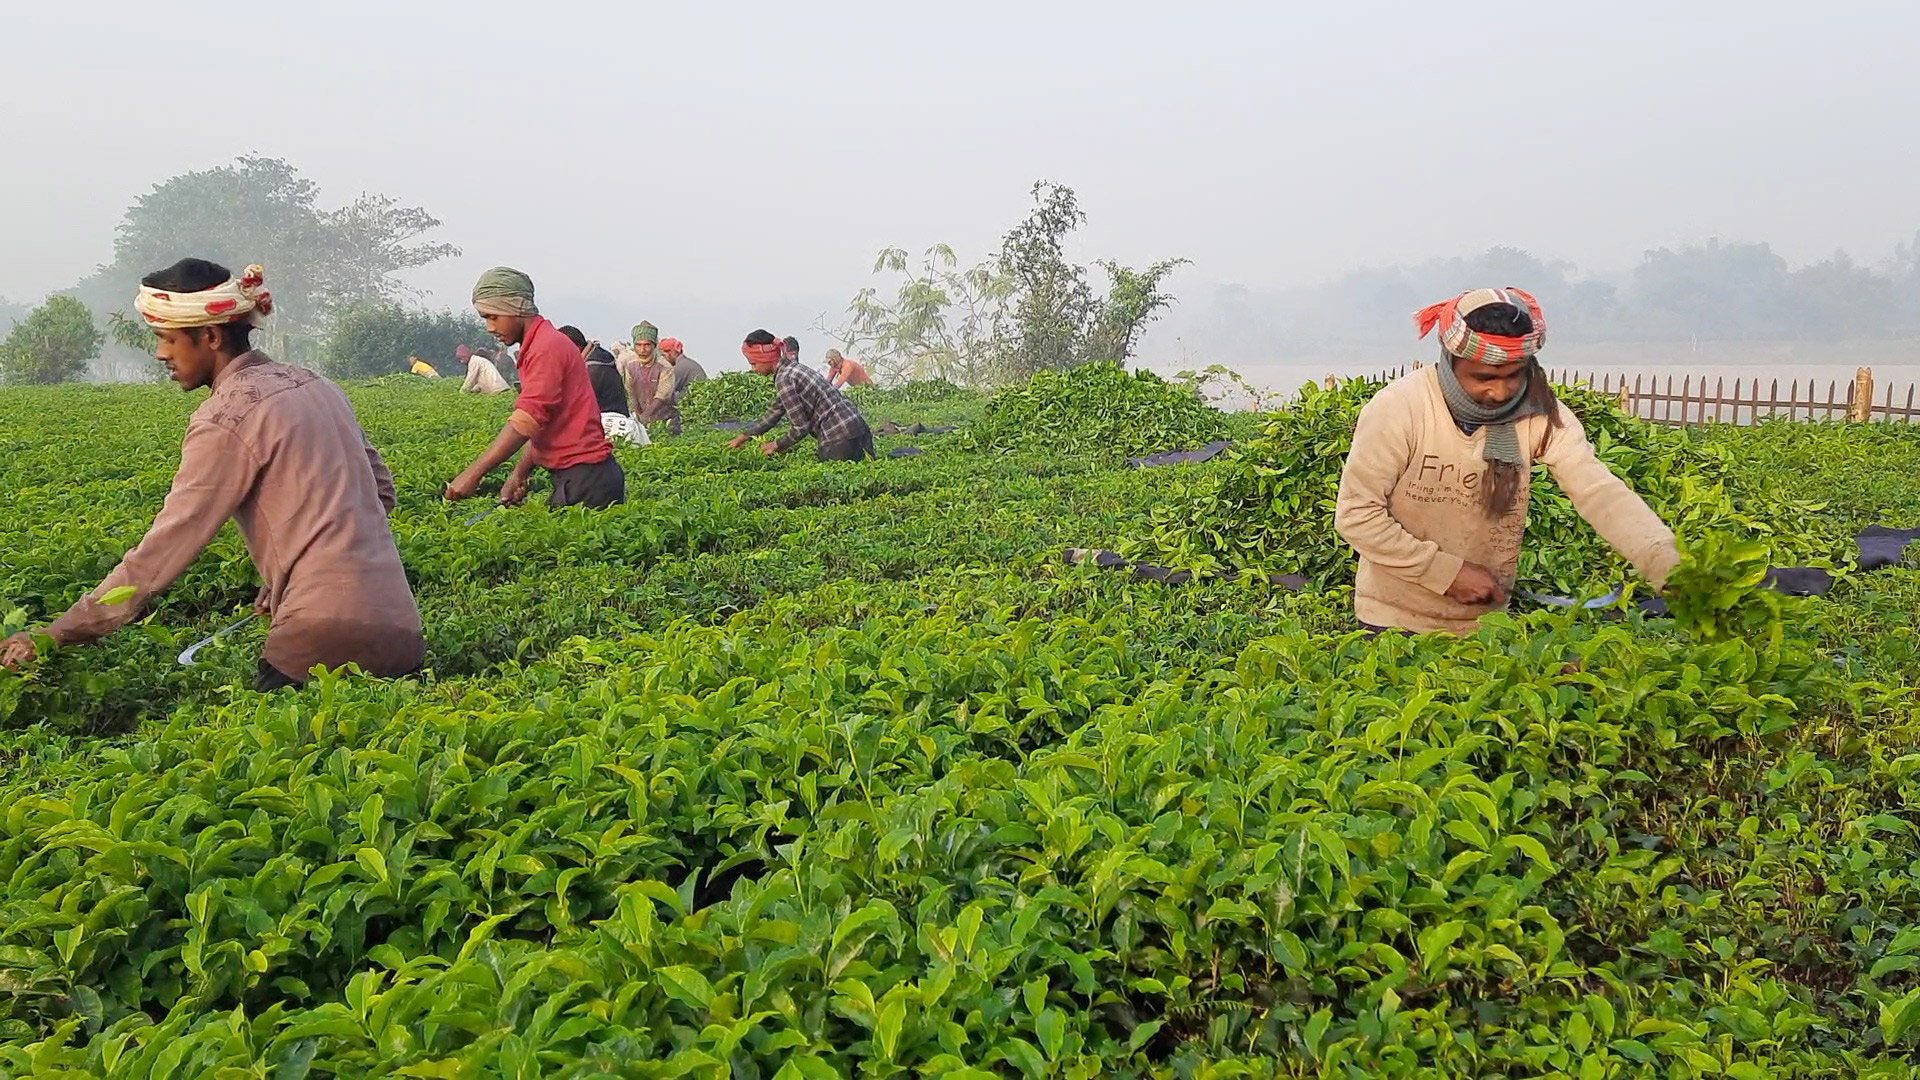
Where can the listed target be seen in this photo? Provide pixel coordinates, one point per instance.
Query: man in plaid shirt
(808, 402)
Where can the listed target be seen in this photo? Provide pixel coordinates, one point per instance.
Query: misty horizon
(723, 170)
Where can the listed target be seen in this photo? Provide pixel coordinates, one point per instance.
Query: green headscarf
(646, 331)
(504, 291)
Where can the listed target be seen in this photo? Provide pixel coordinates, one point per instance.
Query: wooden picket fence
(1687, 399)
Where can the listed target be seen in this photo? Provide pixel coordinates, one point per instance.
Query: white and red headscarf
(245, 297)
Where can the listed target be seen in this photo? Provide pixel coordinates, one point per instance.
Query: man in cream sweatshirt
(1434, 495)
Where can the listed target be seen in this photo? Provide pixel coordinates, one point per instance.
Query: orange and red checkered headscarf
(762, 346)
(1468, 344)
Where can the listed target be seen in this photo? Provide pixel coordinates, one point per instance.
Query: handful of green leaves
(1719, 590)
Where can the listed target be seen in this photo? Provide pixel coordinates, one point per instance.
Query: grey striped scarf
(1503, 445)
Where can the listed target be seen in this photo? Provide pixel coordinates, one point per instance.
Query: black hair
(1507, 320)
(573, 334)
(761, 337)
(1501, 493)
(199, 275)
(792, 344)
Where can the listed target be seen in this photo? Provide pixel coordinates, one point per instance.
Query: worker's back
(315, 521)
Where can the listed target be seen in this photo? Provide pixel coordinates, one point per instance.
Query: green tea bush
(1099, 410)
(911, 392)
(789, 769)
(737, 395)
(1269, 507)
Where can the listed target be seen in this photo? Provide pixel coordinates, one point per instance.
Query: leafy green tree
(131, 333)
(941, 322)
(53, 344)
(1133, 300)
(1050, 302)
(257, 209)
(1025, 309)
(374, 338)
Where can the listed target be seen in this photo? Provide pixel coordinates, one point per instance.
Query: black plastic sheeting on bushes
(905, 451)
(891, 428)
(1880, 546)
(1182, 457)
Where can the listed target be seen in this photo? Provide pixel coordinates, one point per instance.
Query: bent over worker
(278, 450)
(482, 376)
(846, 371)
(555, 416)
(603, 373)
(809, 404)
(1435, 490)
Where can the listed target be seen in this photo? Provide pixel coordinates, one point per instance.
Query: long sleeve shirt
(685, 373)
(277, 450)
(556, 410)
(643, 378)
(483, 377)
(810, 404)
(609, 388)
(1410, 504)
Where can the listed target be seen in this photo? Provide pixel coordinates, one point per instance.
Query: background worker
(555, 417)
(845, 371)
(679, 373)
(642, 370)
(809, 404)
(609, 389)
(482, 376)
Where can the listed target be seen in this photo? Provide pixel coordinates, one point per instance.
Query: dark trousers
(595, 485)
(857, 448)
(661, 411)
(267, 678)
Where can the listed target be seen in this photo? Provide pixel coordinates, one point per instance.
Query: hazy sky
(753, 157)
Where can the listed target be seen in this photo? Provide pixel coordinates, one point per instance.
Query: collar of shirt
(239, 363)
(539, 328)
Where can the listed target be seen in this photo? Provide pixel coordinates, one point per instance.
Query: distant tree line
(1710, 292)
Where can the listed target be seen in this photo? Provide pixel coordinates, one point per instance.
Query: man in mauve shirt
(278, 450)
(556, 416)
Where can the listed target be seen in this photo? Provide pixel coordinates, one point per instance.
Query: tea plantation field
(789, 770)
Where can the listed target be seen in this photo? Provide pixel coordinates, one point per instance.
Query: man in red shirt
(556, 416)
